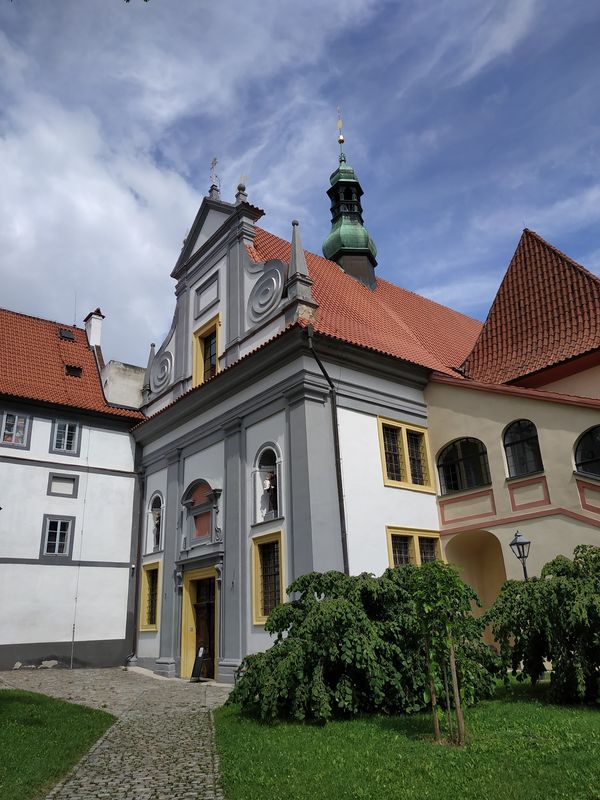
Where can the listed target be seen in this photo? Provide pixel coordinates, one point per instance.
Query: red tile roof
(33, 358)
(546, 311)
(387, 319)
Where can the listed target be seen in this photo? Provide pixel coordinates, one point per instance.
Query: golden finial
(339, 124)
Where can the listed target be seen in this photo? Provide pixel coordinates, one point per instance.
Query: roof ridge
(40, 319)
(560, 253)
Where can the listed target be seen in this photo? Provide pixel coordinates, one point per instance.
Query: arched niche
(478, 556)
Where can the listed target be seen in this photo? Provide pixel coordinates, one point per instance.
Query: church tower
(349, 243)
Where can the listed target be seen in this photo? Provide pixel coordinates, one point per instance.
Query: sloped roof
(546, 311)
(387, 319)
(33, 357)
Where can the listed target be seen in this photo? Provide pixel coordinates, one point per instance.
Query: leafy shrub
(554, 618)
(356, 644)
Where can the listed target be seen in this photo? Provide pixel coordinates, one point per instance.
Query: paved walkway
(160, 748)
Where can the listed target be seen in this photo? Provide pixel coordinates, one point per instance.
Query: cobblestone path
(160, 748)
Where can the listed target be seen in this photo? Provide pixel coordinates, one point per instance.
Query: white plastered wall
(370, 505)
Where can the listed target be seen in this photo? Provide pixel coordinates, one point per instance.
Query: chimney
(93, 327)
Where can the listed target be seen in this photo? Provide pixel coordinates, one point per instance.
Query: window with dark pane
(417, 458)
(269, 576)
(392, 450)
(152, 603)
(427, 549)
(463, 465)
(522, 448)
(57, 537)
(587, 452)
(209, 344)
(401, 550)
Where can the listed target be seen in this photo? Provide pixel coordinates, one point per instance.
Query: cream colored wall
(583, 384)
(456, 412)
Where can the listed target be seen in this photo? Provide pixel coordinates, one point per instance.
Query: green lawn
(40, 739)
(518, 749)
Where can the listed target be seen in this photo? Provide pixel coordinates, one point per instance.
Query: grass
(519, 748)
(40, 740)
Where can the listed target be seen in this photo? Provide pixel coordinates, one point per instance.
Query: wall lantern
(520, 547)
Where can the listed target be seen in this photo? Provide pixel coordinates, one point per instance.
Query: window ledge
(266, 522)
(465, 492)
(412, 487)
(513, 478)
(148, 628)
(587, 476)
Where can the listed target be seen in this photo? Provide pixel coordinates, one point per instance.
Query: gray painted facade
(269, 389)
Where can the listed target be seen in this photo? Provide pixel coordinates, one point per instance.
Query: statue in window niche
(270, 495)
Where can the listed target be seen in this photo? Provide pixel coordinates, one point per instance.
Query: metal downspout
(141, 478)
(336, 447)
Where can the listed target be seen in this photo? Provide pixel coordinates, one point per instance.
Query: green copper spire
(349, 243)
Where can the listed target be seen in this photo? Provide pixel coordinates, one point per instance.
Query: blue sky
(465, 120)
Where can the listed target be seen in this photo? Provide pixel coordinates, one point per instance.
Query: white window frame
(69, 522)
(24, 445)
(151, 546)
(56, 425)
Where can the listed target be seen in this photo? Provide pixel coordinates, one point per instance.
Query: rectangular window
(15, 429)
(60, 485)
(267, 575)
(150, 597)
(210, 356)
(57, 537)
(404, 456)
(65, 437)
(205, 351)
(412, 547)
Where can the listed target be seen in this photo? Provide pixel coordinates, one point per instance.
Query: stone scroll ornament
(267, 291)
(161, 371)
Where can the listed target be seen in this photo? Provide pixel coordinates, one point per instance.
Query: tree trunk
(460, 720)
(448, 706)
(436, 722)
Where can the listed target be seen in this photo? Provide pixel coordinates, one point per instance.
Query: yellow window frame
(144, 589)
(414, 534)
(213, 325)
(402, 429)
(258, 615)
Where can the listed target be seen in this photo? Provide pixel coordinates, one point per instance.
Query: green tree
(555, 618)
(355, 644)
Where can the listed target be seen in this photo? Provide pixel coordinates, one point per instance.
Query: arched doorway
(478, 556)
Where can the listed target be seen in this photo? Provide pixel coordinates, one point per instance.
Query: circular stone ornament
(161, 370)
(265, 295)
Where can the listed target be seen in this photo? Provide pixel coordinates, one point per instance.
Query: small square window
(65, 437)
(60, 485)
(15, 430)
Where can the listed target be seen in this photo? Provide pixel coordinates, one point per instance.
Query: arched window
(156, 510)
(201, 501)
(587, 452)
(522, 448)
(463, 465)
(267, 484)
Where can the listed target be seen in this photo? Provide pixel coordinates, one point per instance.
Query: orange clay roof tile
(387, 319)
(33, 358)
(546, 311)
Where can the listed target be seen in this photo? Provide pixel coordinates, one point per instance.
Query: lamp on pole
(520, 547)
